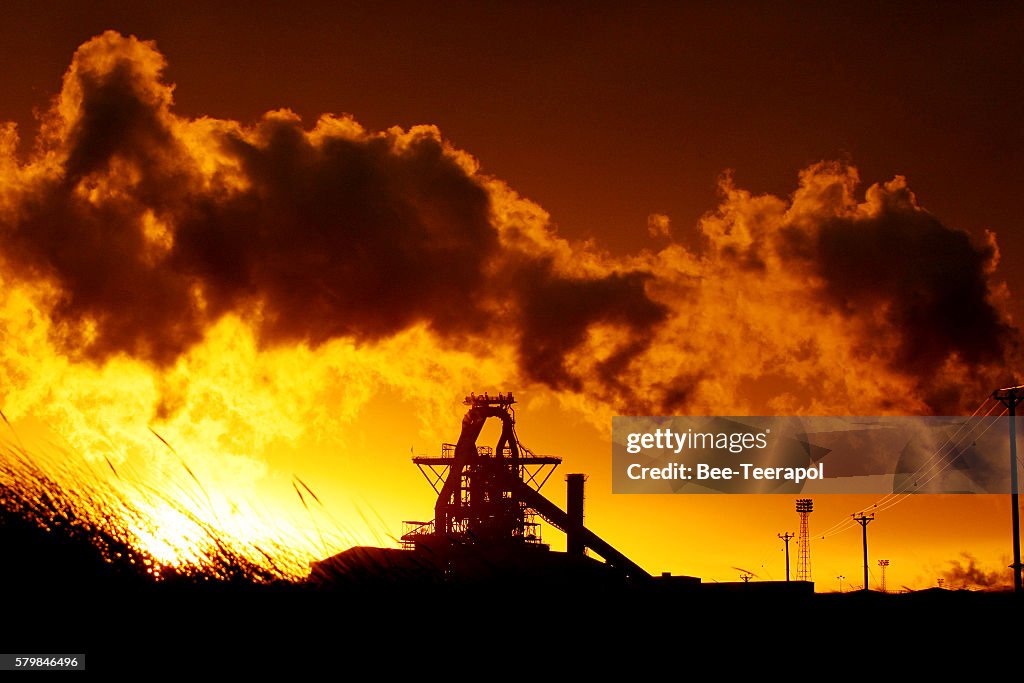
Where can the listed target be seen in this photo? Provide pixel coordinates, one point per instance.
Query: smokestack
(574, 506)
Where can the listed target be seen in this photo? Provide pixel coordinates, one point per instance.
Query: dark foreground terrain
(59, 596)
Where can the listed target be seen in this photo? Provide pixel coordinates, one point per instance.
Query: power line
(906, 492)
(950, 458)
(891, 499)
(926, 465)
(844, 523)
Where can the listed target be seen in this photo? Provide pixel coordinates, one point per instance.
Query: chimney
(574, 506)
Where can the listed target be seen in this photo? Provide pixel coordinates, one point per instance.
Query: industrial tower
(803, 568)
(488, 499)
(883, 564)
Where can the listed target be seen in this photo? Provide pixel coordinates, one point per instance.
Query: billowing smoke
(195, 296)
(823, 303)
(139, 231)
(966, 573)
(153, 227)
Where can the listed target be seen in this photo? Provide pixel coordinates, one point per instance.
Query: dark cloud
(152, 227)
(929, 281)
(309, 234)
(117, 119)
(556, 313)
(342, 238)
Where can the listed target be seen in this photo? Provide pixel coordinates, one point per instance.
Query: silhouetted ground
(60, 596)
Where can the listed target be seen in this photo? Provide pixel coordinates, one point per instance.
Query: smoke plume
(135, 235)
(966, 573)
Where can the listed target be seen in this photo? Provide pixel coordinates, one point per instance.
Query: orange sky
(602, 124)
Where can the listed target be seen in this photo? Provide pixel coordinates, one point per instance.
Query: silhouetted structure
(486, 529)
(574, 503)
(786, 538)
(883, 564)
(1010, 397)
(804, 506)
(864, 520)
(485, 522)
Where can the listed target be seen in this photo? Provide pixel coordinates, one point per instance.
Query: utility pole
(840, 577)
(1010, 397)
(786, 537)
(883, 564)
(864, 520)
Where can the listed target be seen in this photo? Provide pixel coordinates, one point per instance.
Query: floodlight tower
(883, 564)
(804, 506)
